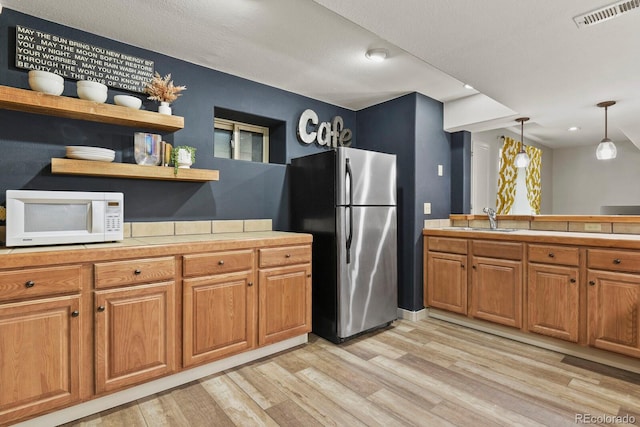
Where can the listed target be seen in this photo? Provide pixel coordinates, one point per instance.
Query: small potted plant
(182, 157)
(163, 90)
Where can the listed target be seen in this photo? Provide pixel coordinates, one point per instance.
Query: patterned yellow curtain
(507, 176)
(534, 187)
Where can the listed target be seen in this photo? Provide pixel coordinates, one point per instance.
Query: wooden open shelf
(29, 101)
(129, 170)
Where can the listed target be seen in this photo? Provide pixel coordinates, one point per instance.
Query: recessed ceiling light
(468, 86)
(573, 129)
(377, 55)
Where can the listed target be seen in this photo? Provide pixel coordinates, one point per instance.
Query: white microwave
(61, 217)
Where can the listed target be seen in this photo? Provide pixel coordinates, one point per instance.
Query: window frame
(235, 127)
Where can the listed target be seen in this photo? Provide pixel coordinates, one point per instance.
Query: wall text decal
(36, 50)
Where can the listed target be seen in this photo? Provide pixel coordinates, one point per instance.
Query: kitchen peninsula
(108, 323)
(567, 283)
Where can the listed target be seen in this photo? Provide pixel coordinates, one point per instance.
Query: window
(240, 141)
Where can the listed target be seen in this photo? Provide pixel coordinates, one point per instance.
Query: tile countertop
(630, 241)
(134, 242)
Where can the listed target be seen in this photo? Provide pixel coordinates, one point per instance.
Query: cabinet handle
(551, 255)
(101, 308)
(473, 266)
(137, 272)
(75, 313)
(572, 280)
(308, 275)
(617, 261)
(462, 265)
(287, 256)
(30, 284)
(250, 284)
(592, 283)
(221, 262)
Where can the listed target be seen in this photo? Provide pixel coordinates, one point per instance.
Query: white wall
(492, 138)
(581, 183)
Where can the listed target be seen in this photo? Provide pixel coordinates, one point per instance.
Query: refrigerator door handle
(349, 176)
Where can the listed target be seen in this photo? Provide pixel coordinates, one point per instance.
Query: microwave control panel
(113, 216)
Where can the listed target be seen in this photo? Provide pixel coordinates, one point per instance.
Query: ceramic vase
(164, 108)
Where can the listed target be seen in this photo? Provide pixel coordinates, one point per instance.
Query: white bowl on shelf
(128, 101)
(92, 84)
(91, 91)
(45, 82)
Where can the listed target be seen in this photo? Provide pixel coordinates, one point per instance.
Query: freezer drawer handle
(350, 206)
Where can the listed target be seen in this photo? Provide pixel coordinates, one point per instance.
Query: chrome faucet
(491, 213)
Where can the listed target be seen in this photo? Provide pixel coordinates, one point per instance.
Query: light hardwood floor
(426, 373)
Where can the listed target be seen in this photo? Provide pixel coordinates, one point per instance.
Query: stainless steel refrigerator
(346, 198)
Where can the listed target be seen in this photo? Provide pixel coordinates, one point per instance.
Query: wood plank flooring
(426, 373)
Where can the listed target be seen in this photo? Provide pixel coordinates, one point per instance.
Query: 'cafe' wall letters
(330, 134)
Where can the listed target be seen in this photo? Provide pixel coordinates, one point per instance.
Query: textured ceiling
(528, 56)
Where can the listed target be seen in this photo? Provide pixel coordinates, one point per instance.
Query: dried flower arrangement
(162, 89)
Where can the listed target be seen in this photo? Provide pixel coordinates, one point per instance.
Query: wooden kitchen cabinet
(40, 356)
(553, 301)
(446, 274)
(553, 295)
(219, 305)
(496, 287)
(90, 322)
(135, 332)
(284, 293)
(614, 301)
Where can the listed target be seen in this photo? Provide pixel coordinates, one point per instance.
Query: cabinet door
(447, 281)
(553, 299)
(39, 356)
(614, 311)
(284, 308)
(135, 335)
(496, 291)
(218, 316)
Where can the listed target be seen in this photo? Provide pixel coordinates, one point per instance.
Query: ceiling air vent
(605, 13)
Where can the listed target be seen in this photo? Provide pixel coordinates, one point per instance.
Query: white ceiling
(528, 56)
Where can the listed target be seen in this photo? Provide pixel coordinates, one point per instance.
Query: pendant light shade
(606, 149)
(522, 158)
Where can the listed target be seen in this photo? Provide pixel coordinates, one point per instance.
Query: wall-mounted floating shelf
(29, 101)
(129, 170)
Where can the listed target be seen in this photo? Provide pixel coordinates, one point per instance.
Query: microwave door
(52, 222)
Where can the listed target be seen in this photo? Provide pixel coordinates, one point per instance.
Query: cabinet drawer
(32, 282)
(216, 262)
(288, 255)
(493, 249)
(447, 244)
(118, 273)
(613, 260)
(550, 254)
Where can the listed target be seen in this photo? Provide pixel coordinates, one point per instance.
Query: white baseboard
(120, 398)
(560, 346)
(412, 316)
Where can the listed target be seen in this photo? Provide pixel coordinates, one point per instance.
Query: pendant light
(522, 158)
(606, 149)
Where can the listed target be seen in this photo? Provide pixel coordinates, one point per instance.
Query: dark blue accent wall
(461, 172)
(245, 189)
(411, 128)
